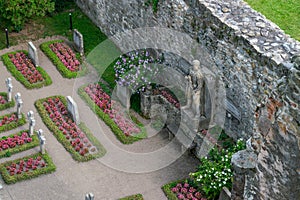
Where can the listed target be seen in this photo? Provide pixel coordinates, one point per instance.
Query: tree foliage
(16, 12)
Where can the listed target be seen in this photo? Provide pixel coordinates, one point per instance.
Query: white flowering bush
(136, 69)
(215, 172)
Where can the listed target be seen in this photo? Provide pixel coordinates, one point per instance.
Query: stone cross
(9, 89)
(89, 196)
(19, 104)
(30, 116)
(42, 140)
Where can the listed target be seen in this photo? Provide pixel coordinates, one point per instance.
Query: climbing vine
(154, 4)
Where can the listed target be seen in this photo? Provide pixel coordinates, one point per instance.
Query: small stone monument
(123, 94)
(78, 41)
(30, 116)
(89, 196)
(42, 140)
(19, 105)
(33, 54)
(9, 89)
(73, 109)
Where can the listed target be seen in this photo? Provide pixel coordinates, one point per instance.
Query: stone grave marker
(33, 54)
(9, 89)
(30, 116)
(19, 105)
(89, 196)
(73, 109)
(78, 41)
(123, 94)
(42, 140)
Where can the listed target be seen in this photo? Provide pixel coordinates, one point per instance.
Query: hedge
(109, 122)
(32, 174)
(61, 138)
(167, 189)
(17, 148)
(19, 76)
(133, 197)
(12, 125)
(8, 104)
(59, 65)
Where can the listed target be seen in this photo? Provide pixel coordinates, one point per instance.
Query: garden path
(72, 180)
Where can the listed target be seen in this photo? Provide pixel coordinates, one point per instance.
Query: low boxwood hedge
(109, 122)
(12, 125)
(59, 65)
(8, 179)
(19, 76)
(8, 104)
(133, 197)
(167, 189)
(17, 149)
(61, 137)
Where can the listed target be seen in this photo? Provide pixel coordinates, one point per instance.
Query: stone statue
(194, 90)
(42, 140)
(19, 105)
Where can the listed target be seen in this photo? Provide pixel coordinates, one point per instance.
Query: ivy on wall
(154, 4)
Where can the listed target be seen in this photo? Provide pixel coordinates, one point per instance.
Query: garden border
(19, 76)
(18, 148)
(61, 138)
(12, 125)
(20, 177)
(108, 121)
(59, 65)
(8, 104)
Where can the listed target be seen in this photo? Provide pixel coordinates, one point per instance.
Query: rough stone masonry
(258, 63)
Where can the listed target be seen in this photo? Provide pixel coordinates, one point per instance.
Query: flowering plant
(111, 108)
(26, 168)
(135, 69)
(25, 65)
(60, 116)
(14, 141)
(8, 119)
(215, 172)
(66, 56)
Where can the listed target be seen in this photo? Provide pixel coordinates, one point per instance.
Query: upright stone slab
(33, 54)
(9, 89)
(89, 196)
(124, 94)
(78, 41)
(73, 109)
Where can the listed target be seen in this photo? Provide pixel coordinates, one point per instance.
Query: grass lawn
(284, 13)
(57, 24)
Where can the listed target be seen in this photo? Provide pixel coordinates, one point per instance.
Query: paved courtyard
(103, 177)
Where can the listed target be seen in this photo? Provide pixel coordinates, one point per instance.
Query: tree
(17, 12)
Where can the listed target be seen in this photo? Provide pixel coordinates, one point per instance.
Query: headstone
(73, 109)
(42, 140)
(33, 54)
(124, 94)
(30, 116)
(9, 89)
(19, 105)
(78, 41)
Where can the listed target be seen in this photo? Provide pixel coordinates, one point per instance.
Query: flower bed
(76, 139)
(16, 143)
(26, 168)
(182, 189)
(11, 121)
(125, 129)
(168, 96)
(63, 58)
(4, 104)
(23, 69)
(133, 197)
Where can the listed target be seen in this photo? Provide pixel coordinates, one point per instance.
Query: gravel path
(111, 177)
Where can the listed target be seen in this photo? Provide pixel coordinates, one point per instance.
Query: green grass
(57, 24)
(284, 13)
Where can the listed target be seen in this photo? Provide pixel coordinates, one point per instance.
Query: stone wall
(254, 58)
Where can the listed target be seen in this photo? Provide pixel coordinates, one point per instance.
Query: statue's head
(196, 65)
